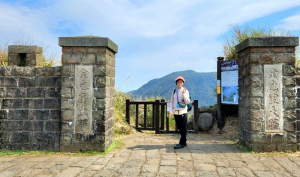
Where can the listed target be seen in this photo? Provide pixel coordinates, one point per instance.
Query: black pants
(181, 124)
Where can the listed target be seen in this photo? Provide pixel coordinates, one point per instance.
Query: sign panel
(229, 82)
(83, 98)
(273, 98)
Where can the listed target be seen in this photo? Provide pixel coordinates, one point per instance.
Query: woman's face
(179, 83)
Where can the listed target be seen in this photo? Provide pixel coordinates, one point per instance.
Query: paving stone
(6, 159)
(167, 162)
(207, 174)
(184, 156)
(6, 165)
(205, 167)
(289, 167)
(237, 164)
(273, 166)
(222, 163)
(30, 173)
(44, 175)
(263, 174)
(202, 158)
(64, 164)
(96, 167)
(22, 166)
(295, 159)
(185, 173)
(168, 157)
(101, 161)
(148, 175)
(167, 169)
(226, 171)
(128, 172)
(86, 173)
(133, 164)
(256, 166)
(152, 168)
(113, 166)
(71, 171)
(8, 173)
(243, 172)
(37, 159)
(105, 173)
(165, 175)
(44, 165)
(85, 162)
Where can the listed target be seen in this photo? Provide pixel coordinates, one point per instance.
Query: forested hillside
(200, 85)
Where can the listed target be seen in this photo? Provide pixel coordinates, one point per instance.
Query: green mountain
(201, 86)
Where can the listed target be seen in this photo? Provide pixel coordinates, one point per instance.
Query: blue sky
(155, 37)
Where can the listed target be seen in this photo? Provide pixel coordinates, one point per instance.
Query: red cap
(180, 78)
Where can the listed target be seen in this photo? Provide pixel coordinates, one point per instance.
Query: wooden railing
(159, 112)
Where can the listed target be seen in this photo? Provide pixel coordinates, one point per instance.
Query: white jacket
(182, 98)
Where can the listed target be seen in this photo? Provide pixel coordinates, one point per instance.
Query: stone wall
(267, 93)
(65, 108)
(30, 108)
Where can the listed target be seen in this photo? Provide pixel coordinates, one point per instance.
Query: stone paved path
(148, 155)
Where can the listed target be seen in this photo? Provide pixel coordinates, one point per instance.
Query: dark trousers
(181, 124)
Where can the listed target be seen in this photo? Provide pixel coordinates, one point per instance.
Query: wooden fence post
(128, 111)
(157, 116)
(162, 116)
(196, 117)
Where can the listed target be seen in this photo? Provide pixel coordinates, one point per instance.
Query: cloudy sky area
(155, 37)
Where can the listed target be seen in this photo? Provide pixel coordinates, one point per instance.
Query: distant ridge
(202, 86)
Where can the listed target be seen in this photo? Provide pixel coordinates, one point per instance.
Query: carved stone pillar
(267, 94)
(87, 93)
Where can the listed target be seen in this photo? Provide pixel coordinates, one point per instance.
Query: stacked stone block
(84, 53)
(254, 54)
(297, 77)
(21, 55)
(30, 108)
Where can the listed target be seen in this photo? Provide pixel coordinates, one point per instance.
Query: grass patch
(114, 145)
(244, 148)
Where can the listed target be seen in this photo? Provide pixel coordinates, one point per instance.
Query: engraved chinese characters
(273, 98)
(83, 98)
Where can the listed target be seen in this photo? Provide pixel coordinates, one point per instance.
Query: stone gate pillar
(87, 93)
(267, 93)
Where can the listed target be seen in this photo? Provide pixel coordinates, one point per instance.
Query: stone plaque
(83, 98)
(273, 98)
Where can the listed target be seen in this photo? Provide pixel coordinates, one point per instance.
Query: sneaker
(178, 146)
(182, 144)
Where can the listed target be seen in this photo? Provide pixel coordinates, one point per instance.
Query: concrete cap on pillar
(268, 41)
(87, 41)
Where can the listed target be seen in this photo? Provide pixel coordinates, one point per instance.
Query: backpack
(189, 105)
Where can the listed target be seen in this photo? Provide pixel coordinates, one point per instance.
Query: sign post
(219, 119)
(227, 88)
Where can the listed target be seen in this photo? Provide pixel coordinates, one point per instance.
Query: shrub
(239, 34)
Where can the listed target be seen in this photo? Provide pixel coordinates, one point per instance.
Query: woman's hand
(170, 115)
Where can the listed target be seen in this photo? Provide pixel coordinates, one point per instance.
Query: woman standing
(180, 98)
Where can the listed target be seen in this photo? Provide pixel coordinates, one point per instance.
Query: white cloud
(291, 23)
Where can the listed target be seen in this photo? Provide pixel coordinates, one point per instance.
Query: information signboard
(229, 82)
